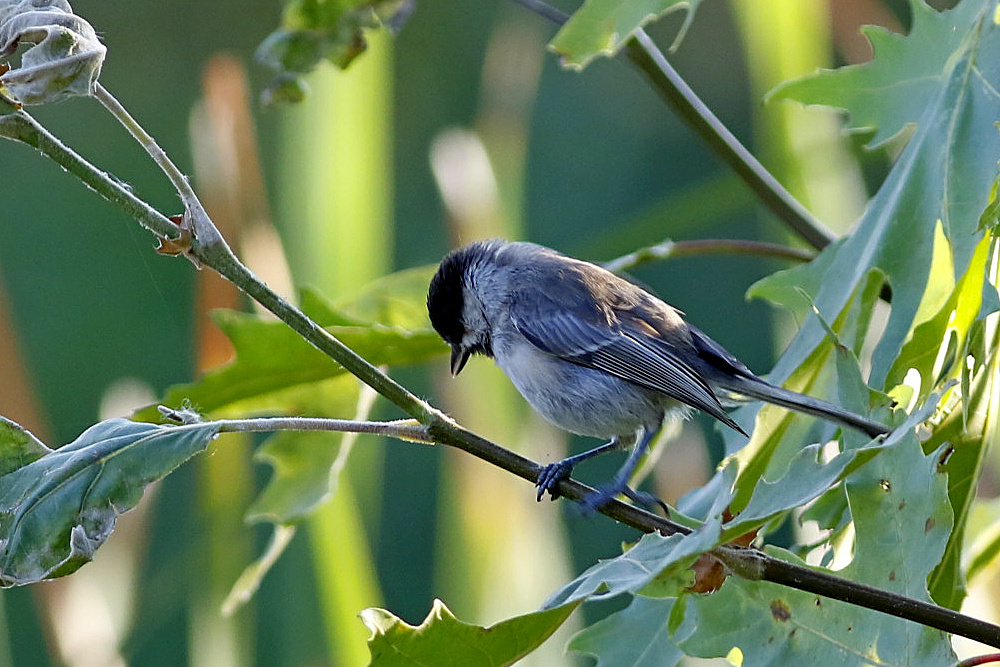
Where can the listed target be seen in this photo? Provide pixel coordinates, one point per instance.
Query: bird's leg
(553, 473)
(619, 484)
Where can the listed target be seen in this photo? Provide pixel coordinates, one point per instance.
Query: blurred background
(462, 127)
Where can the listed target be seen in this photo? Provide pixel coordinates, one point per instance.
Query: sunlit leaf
(57, 510)
(316, 30)
(943, 78)
(444, 641)
(902, 518)
(18, 447)
(601, 27)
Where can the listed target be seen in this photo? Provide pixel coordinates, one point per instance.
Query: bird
(594, 353)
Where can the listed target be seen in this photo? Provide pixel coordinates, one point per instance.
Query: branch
(403, 429)
(207, 233)
(673, 249)
(644, 54)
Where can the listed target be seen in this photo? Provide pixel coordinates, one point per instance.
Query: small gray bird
(593, 353)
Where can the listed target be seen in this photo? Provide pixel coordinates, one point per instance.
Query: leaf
(66, 56)
(968, 433)
(779, 435)
(902, 518)
(601, 27)
(275, 370)
(396, 300)
(302, 461)
(637, 636)
(57, 510)
(444, 641)
(638, 567)
(942, 79)
(18, 447)
(315, 30)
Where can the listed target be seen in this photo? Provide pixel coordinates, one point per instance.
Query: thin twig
(20, 126)
(976, 660)
(404, 429)
(647, 57)
(202, 227)
(695, 248)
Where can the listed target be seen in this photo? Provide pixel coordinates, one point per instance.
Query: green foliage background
(590, 163)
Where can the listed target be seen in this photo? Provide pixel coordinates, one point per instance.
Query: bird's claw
(602, 496)
(549, 478)
(554, 473)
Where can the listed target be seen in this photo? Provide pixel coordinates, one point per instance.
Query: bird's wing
(625, 352)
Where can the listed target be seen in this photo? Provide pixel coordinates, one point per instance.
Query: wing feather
(588, 338)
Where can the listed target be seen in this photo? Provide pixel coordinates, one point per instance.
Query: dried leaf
(66, 57)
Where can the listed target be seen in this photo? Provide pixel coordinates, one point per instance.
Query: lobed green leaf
(902, 517)
(444, 641)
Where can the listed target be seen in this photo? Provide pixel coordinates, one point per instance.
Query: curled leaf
(66, 57)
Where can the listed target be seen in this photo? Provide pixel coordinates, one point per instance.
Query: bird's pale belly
(582, 400)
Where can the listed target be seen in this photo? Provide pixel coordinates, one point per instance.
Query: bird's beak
(459, 355)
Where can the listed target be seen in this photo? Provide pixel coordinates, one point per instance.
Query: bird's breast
(580, 399)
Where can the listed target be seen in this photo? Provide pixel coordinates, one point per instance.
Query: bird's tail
(753, 387)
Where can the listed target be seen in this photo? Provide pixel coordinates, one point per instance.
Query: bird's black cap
(445, 298)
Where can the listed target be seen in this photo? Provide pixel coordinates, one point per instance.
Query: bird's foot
(550, 476)
(604, 495)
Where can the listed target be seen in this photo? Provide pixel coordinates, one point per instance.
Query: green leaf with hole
(902, 517)
(601, 27)
(58, 509)
(444, 641)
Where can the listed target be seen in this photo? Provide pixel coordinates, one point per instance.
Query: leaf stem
(698, 247)
(202, 227)
(404, 429)
(668, 83)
